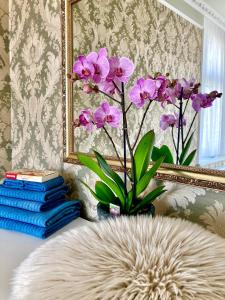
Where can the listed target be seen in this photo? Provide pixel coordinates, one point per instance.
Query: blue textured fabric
(30, 205)
(34, 186)
(43, 219)
(37, 231)
(53, 194)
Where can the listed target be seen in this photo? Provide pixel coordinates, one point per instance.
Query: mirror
(156, 39)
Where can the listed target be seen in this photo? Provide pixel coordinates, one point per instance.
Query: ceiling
(218, 6)
(191, 10)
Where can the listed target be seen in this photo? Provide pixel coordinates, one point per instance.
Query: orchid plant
(108, 76)
(180, 93)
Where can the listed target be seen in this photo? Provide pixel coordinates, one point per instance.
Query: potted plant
(109, 76)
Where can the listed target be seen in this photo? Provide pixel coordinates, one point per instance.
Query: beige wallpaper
(154, 38)
(37, 114)
(5, 103)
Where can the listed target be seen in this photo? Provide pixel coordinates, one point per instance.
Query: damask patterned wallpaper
(155, 38)
(37, 114)
(5, 103)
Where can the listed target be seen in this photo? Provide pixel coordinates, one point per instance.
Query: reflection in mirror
(212, 125)
(167, 49)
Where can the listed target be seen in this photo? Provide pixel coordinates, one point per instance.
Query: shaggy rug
(125, 259)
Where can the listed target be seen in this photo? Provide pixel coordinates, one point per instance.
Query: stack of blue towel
(38, 209)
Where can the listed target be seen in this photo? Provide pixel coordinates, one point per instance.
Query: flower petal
(150, 87)
(92, 57)
(127, 65)
(102, 52)
(105, 107)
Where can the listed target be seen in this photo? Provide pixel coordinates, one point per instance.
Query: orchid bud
(173, 83)
(76, 123)
(196, 87)
(87, 88)
(95, 89)
(73, 77)
(215, 94)
(157, 74)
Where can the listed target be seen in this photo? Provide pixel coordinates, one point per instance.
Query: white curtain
(212, 120)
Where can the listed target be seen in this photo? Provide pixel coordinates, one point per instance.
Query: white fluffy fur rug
(125, 259)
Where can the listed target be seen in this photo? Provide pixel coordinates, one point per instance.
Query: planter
(103, 211)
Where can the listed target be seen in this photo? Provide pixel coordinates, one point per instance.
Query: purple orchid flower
(165, 94)
(168, 97)
(120, 69)
(166, 121)
(83, 68)
(107, 114)
(170, 120)
(94, 66)
(86, 119)
(100, 63)
(204, 100)
(201, 101)
(142, 91)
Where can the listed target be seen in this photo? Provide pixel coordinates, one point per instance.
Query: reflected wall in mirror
(156, 39)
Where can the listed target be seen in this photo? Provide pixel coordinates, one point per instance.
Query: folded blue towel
(53, 194)
(30, 205)
(37, 231)
(34, 186)
(43, 219)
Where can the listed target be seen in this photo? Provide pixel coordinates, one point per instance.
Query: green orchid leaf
(149, 198)
(93, 166)
(143, 154)
(129, 200)
(163, 151)
(190, 158)
(104, 192)
(186, 149)
(103, 201)
(108, 171)
(144, 182)
(156, 154)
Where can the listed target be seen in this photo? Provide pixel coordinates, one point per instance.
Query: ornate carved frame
(206, 178)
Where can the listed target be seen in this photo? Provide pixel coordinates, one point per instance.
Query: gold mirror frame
(206, 178)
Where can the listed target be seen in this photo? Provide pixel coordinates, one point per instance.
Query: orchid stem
(179, 127)
(185, 107)
(192, 123)
(109, 96)
(141, 125)
(128, 108)
(118, 89)
(133, 175)
(114, 146)
(181, 124)
(124, 144)
(174, 143)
